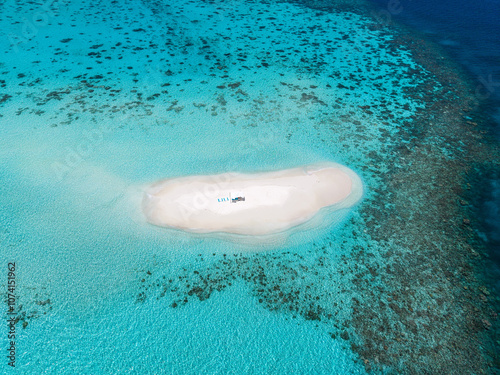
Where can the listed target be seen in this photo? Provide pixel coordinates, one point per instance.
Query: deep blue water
(471, 30)
(470, 33)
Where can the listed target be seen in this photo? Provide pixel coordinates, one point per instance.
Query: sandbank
(250, 204)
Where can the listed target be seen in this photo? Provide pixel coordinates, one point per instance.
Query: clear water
(470, 33)
(102, 98)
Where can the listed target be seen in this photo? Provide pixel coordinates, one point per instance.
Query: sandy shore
(273, 201)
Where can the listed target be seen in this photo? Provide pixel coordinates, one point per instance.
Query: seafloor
(99, 98)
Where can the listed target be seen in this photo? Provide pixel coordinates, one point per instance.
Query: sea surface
(470, 34)
(98, 99)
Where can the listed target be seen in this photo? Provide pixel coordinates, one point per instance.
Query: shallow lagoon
(106, 98)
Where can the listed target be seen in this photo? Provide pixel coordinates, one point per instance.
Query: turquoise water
(102, 98)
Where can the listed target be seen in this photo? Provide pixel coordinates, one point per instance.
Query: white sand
(274, 201)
